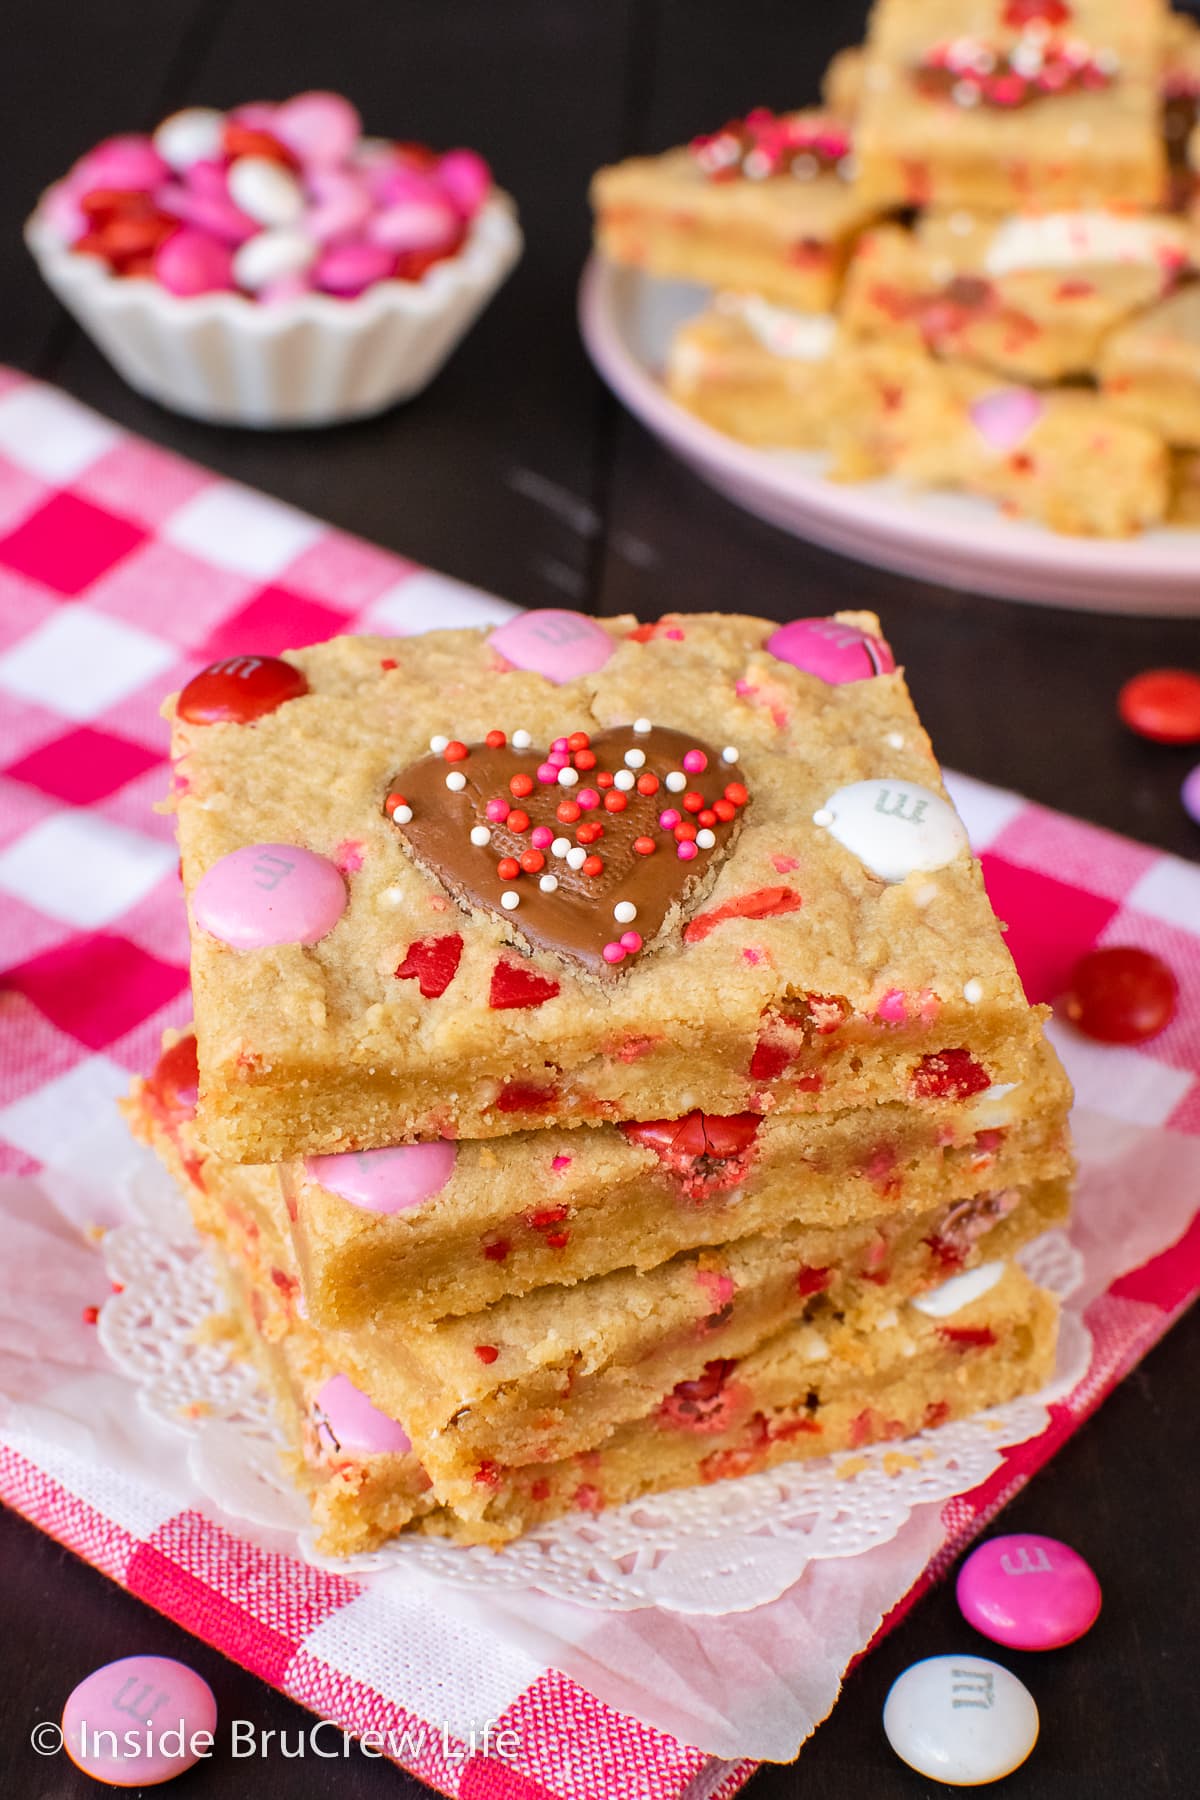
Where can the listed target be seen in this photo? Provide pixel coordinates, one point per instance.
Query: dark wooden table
(518, 472)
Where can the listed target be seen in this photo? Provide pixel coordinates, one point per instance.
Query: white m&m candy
(960, 1719)
(893, 827)
(265, 191)
(271, 256)
(191, 136)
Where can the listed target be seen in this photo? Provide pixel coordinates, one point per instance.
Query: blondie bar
(1033, 296)
(1000, 105)
(766, 205)
(571, 871)
(1150, 369)
(757, 372)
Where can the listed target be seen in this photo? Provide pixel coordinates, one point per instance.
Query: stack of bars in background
(607, 1072)
(975, 267)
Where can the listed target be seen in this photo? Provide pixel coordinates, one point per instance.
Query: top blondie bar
(1013, 103)
(570, 870)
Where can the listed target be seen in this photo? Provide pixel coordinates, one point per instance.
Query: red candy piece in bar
(515, 986)
(949, 1075)
(433, 963)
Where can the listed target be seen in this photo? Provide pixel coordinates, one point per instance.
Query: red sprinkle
(812, 1281)
(693, 802)
(455, 752)
(497, 1250)
(737, 793)
(487, 1353)
(725, 810)
(648, 782)
(517, 820)
(91, 1315)
(585, 760)
(433, 963)
(644, 846)
(514, 986)
(388, 662)
(533, 862)
(615, 801)
(578, 740)
(605, 778)
(488, 1474)
(392, 802)
(568, 811)
(508, 868)
(523, 1096)
(557, 1240)
(495, 740)
(967, 1337)
(593, 865)
(589, 832)
(521, 786)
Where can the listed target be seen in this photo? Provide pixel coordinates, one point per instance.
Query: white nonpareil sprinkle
(438, 744)
(510, 900)
(576, 857)
(401, 815)
(973, 991)
(568, 777)
(392, 896)
(456, 781)
(822, 816)
(624, 912)
(642, 726)
(480, 835)
(560, 846)
(705, 839)
(624, 779)
(548, 883)
(521, 740)
(895, 740)
(926, 895)
(676, 781)
(729, 754)
(635, 759)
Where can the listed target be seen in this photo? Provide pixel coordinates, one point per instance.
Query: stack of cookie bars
(975, 267)
(607, 1073)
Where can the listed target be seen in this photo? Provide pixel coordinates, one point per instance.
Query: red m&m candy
(1163, 704)
(239, 690)
(1121, 995)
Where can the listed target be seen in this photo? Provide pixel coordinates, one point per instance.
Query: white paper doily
(725, 1548)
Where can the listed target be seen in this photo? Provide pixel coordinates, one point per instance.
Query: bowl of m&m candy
(272, 265)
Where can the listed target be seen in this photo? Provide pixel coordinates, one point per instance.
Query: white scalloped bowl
(314, 360)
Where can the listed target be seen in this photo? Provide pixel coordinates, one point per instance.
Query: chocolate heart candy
(588, 849)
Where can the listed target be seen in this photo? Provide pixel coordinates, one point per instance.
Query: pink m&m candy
(1029, 1592)
(559, 645)
(414, 225)
(269, 894)
(1189, 793)
(465, 179)
(127, 164)
(348, 1418)
(386, 1181)
(319, 128)
(139, 1721)
(240, 689)
(191, 262)
(834, 652)
(348, 268)
(1004, 418)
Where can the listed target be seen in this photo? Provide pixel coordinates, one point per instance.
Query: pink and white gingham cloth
(124, 569)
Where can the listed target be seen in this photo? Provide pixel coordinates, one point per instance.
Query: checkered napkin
(122, 570)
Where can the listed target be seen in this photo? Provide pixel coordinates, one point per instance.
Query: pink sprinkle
(613, 953)
(893, 1008)
(588, 798)
(541, 837)
(498, 811)
(674, 633)
(558, 1163)
(686, 850)
(548, 773)
(560, 758)
(695, 762)
(744, 689)
(719, 1287)
(561, 745)
(348, 857)
(784, 865)
(669, 819)
(631, 941)
(752, 956)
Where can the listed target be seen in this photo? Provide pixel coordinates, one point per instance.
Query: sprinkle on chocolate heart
(592, 849)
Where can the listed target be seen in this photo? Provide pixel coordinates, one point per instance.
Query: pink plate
(627, 318)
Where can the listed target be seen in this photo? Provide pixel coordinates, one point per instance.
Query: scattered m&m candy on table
(1189, 793)
(139, 1721)
(1163, 704)
(1121, 995)
(1028, 1592)
(960, 1719)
